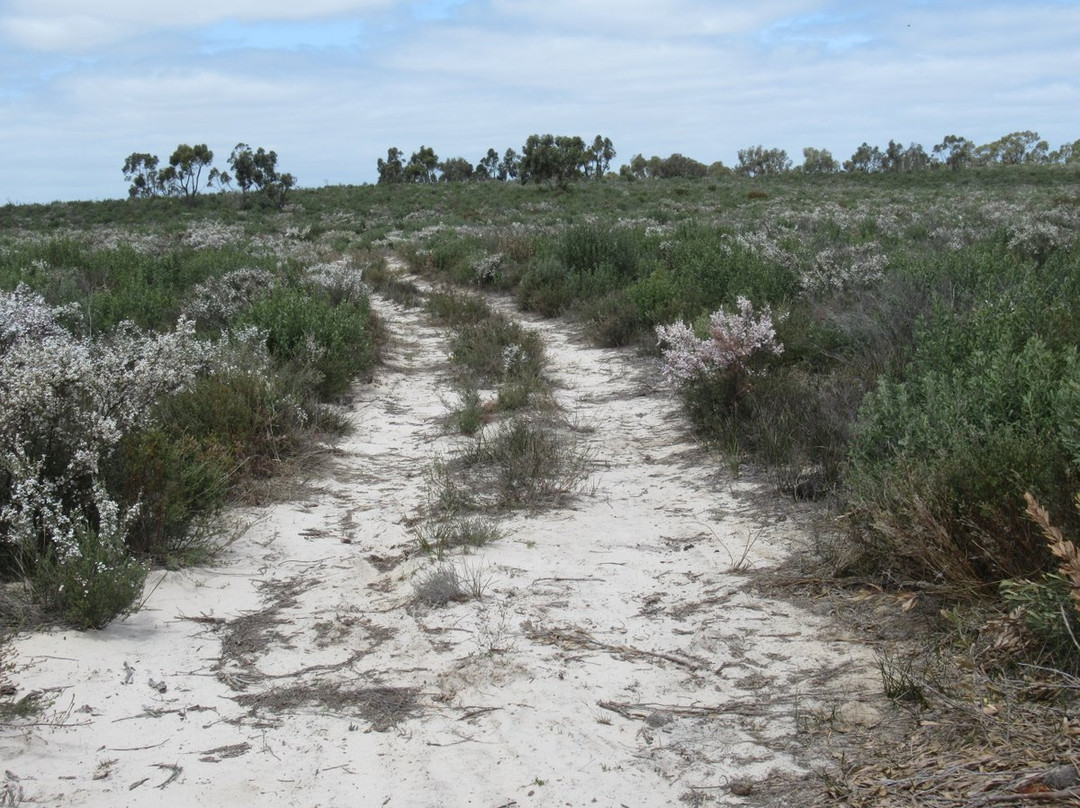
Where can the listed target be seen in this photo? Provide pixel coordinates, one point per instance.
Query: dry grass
(1062, 549)
(525, 462)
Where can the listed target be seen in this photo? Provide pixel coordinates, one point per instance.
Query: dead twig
(640, 712)
(175, 768)
(1035, 796)
(581, 638)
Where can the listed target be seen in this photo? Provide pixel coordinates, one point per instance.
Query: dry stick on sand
(580, 638)
(636, 712)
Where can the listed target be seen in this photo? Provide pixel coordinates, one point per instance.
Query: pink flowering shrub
(733, 339)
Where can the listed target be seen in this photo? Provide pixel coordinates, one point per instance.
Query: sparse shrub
(497, 349)
(85, 573)
(470, 416)
(451, 581)
(378, 275)
(439, 585)
(454, 310)
(523, 462)
(612, 320)
(465, 532)
(7, 664)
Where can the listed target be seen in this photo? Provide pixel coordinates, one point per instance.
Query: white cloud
(700, 77)
(647, 19)
(69, 25)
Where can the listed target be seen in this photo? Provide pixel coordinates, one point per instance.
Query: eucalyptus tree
(141, 170)
(185, 169)
(757, 161)
(558, 159)
(818, 161)
(392, 169)
(257, 171)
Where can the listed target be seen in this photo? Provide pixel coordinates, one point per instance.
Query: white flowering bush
(732, 340)
(66, 404)
(86, 575)
(486, 268)
(216, 301)
(844, 267)
(342, 281)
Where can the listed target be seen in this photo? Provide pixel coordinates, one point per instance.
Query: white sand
(626, 597)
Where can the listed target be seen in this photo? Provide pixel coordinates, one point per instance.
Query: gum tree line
(954, 152)
(254, 172)
(555, 159)
(561, 159)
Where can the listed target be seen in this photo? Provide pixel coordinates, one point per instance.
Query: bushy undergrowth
(140, 384)
(928, 374)
(489, 350)
(985, 410)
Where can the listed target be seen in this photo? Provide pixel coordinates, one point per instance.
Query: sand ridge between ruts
(614, 659)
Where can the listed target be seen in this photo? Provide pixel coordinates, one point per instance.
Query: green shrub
(547, 287)
(1048, 612)
(522, 462)
(89, 579)
(176, 480)
(305, 330)
(454, 255)
(589, 248)
(439, 538)
(119, 283)
(940, 461)
(656, 297)
(711, 271)
(455, 310)
(498, 350)
(612, 320)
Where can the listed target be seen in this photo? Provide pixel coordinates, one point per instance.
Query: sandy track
(614, 659)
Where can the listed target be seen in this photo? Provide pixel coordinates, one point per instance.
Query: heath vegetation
(895, 332)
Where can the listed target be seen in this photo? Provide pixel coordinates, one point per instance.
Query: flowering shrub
(342, 281)
(214, 302)
(87, 575)
(66, 405)
(732, 340)
(838, 268)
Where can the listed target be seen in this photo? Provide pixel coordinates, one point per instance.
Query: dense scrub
(925, 372)
(145, 375)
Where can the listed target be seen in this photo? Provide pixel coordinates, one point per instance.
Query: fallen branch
(581, 638)
(172, 767)
(640, 712)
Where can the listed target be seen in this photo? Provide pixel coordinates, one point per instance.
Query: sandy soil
(615, 657)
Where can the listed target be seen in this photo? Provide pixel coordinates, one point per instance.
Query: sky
(330, 85)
